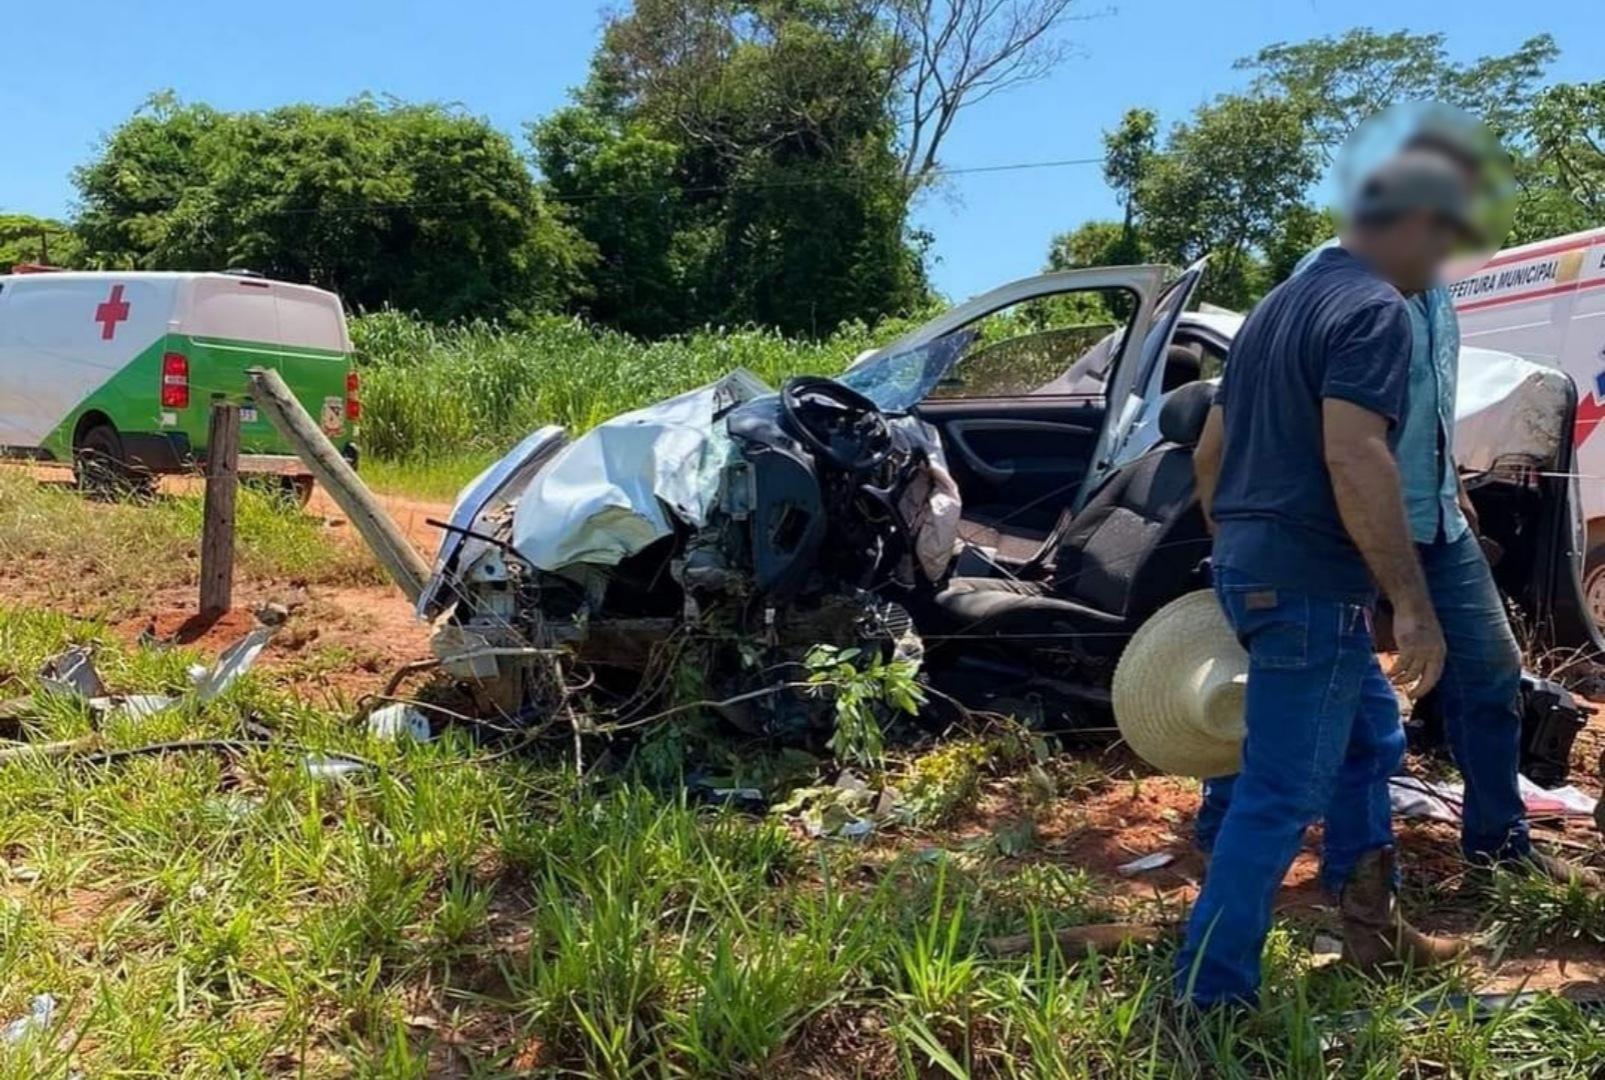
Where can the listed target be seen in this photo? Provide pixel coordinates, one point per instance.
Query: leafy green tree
(419, 207)
(28, 239)
(1222, 186)
(1128, 153)
(1563, 175)
(1342, 80)
(1092, 243)
(735, 162)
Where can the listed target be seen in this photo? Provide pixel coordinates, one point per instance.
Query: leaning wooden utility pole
(217, 527)
(399, 558)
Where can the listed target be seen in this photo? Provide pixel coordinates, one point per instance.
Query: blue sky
(77, 68)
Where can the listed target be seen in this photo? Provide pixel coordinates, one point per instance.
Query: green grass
(439, 478)
(448, 915)
(107, 558)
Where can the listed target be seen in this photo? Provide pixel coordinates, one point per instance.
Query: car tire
(1594, 585)
(101, 470)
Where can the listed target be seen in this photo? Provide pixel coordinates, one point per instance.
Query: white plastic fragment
(1148, 862)
(235, 661)
(320, 767)
(1569, 800)
(72, 673)
(398, 720)
(132, 706)
(1413, 798)
(1325, 951)
(41, 1011)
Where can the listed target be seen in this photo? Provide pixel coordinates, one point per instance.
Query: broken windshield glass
(899, 381)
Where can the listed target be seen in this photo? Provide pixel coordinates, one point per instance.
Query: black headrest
(1183, 410)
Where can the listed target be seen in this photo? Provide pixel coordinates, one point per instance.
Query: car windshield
(899, 381)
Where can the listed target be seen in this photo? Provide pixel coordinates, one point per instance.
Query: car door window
(1059, 344)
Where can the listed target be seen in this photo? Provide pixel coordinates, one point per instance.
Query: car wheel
(1594, 585)
(101, 470)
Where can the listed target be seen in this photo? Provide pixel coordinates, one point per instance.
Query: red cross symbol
(112, 312)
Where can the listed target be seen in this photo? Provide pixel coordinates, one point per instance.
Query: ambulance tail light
(175, 381)
(353, 402)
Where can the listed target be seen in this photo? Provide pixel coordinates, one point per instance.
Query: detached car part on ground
(1011, 539)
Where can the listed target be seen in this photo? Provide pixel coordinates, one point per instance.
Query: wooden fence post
(217, 530)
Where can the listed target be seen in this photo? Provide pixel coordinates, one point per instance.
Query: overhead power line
(846, 177)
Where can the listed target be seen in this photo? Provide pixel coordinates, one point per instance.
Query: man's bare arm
(1366, 485)
(1206, 462)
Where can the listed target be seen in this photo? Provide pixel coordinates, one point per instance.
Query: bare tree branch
(952, 54)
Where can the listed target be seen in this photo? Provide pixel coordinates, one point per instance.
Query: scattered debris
(41, 1011)
(1325, 951)
(847, 809)
(272, 613)
(398, 720)
(1148, 862)
(132, 706)
(72, 673)
(234, 661)
(1076, 941)
(1568, 801)
(1442, 801)
(326, 767)
(1413, 798)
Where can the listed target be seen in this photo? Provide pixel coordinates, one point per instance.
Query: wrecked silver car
(1004, 494)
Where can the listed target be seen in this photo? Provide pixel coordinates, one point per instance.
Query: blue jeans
(1480, 690)
(1323, 733)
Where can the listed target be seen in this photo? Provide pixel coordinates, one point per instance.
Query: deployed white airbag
(1507, 408)
(610, 492)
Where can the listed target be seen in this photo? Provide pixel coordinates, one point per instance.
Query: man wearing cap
(1480, 687)
(1310, 518)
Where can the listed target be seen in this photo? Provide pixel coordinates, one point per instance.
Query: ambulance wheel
(297, 489)
(1594, 585)
(294, 490)
(101, 470)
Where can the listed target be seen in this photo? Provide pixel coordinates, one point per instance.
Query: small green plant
(944, 779)
(891, 683)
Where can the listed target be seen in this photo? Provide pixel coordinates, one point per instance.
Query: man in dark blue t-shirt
(1309, 521)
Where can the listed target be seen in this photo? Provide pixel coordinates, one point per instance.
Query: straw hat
(1178, 689)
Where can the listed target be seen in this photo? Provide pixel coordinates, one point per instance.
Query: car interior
(1139, 541)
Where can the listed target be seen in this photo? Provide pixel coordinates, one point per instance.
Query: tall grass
(454, 913)
(431, 392)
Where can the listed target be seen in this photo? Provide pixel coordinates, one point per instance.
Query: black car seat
(1136, 544)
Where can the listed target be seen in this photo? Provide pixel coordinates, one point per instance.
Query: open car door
(1023, 409)
(1134, 428)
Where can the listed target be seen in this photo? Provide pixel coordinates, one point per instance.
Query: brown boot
(1480, 875)
(1374, 931)
(1563, 871)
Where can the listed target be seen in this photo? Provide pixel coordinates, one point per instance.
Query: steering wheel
(837, 422)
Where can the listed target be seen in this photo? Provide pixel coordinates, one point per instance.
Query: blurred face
(1410, 251)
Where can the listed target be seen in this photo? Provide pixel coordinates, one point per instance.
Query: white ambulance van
(115, 372)
(1545, 302)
